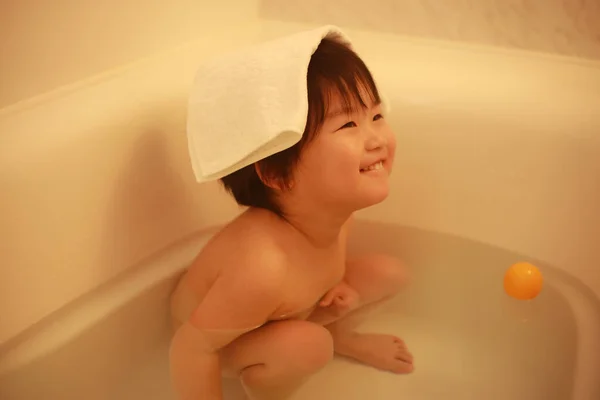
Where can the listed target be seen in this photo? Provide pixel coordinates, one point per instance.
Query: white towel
(250, 104)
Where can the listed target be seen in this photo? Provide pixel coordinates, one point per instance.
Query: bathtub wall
(94, 172)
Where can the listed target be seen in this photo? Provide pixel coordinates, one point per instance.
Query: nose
(375, 139)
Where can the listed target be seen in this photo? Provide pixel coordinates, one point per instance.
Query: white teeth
(374, 167)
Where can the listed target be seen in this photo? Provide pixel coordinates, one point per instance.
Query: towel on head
(252, 103)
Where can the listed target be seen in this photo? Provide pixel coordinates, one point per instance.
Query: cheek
(334, 164)
(391, 144)
(344, 161)
(392, 141)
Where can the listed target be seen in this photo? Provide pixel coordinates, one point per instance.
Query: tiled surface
(568, 27)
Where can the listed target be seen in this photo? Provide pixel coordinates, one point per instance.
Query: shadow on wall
(148, 200)
(96, 191)
(156, 200)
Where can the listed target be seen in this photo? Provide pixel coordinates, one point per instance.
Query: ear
(270, 181)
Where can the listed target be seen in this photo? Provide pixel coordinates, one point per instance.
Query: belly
(301, 314)
(300, 304)
(303, 293)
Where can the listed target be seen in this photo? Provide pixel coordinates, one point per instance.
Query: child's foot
(384, 352)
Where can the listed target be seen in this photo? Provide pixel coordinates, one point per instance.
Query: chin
(374, 197)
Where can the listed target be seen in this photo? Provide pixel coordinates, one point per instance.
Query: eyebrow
(345, 111)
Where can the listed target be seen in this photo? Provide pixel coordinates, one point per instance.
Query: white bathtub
(497, 162)
(471, 341)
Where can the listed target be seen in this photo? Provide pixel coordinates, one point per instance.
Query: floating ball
(523, 281)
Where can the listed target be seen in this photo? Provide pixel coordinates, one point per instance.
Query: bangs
(337, 73)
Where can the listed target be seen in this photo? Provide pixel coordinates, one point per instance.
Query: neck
(321, 226)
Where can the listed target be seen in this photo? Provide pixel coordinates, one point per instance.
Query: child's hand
(340, 299)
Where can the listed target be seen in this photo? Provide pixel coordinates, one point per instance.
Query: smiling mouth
(373, 167)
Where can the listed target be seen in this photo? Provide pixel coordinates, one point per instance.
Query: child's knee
(392, 273)
(306, 346)
(298, 349)
(379, 275)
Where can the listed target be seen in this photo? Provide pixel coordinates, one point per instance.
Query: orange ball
(523, 281)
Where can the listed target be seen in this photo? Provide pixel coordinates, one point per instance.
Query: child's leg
(375, 278)
(275, 359)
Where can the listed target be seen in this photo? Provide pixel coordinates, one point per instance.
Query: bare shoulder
(249, 267)
(251, 245)
(237, 279)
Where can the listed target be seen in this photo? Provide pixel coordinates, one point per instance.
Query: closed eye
(350, 124)
(377, 117)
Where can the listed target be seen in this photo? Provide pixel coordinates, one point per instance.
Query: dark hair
(333, 69)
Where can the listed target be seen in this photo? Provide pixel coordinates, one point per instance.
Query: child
(269, 298)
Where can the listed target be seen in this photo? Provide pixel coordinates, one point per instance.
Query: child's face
(349, 162)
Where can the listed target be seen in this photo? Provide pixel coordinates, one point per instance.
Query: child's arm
(195, 368)
(242, 299)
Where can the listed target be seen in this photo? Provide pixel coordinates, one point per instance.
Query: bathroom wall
(567, 27)
(94, 171)
(47, 44)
